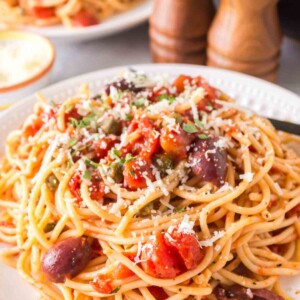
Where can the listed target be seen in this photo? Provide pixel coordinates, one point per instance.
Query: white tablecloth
(132, 47)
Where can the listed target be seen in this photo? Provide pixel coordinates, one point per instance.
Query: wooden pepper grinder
(245, 36)
(178, 30)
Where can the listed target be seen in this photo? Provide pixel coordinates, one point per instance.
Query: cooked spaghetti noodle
(71, 13)
(150, 190)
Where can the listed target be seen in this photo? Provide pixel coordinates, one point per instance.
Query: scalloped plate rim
(291, 285)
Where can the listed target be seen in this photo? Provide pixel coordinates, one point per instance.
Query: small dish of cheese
(26, 61)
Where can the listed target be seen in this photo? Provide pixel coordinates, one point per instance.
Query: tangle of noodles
(167, 189)
(70, 13)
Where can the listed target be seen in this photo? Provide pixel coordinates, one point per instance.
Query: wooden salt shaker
(245, 36)
(178, 30)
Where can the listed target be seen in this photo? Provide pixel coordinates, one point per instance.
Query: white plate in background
(113, 24)
(260, 96)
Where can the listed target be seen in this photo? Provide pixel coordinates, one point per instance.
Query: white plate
(114, 24)
(265, 98)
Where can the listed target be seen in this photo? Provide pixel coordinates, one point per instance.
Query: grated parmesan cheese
(186, 226)
(247, 176)
(217, 235)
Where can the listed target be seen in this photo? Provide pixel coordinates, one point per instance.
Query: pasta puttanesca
(70, 13)
(166, 190)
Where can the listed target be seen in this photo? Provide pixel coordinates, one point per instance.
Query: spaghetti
(151, 189)
(70, 13)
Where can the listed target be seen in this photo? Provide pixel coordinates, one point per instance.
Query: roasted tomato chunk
(42, 12)
(158, 293)
(84, 18)
(135, 173)
(171, 254)
(96, 188)
(175, 142)
(187, 247)
(161, 261)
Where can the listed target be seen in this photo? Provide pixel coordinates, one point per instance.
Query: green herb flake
(129, 157)
(69, 164)
(199, 123)
(114, 291)
(170, 98)
(91, 163)
(115, 153)
(87, 175)
(190, 128)
(74, 122)
(181, 209)
(72, 142)
(202, 136)
(140, 102)
(128, 117)
(132, 172)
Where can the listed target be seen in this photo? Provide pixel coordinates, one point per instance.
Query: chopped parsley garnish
(181, 209)
(72, 142)
(190, 128)
(69, 164)
(202, 136)
(84, 122)
(132, 172)
(139, 102)
(128, 158)
(115, 290)
(86, 175)
(91, 163)
(115, 153)
(199, 123)
(170, 98)
(128, 117)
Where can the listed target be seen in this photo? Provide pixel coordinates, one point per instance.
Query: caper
(116, 171)
(111, 126)
(177, 117)
(163, 162)
(49, 227)
(52, 182)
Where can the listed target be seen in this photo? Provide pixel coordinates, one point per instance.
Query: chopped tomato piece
(102, 284)
(171, 254)
(121, 272)
(156, 93)
(130, 255)
(96, 188)
(158, 293)
(43, 12)
(161, 261)
(102, 146)
(72, 114)
(6, 224)
(84, 18)
(175, 142)
(187, 247)
(74, 185)
(147, 143)
(183, 80)
(151, 145)
(135, 172)
(33, 127)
